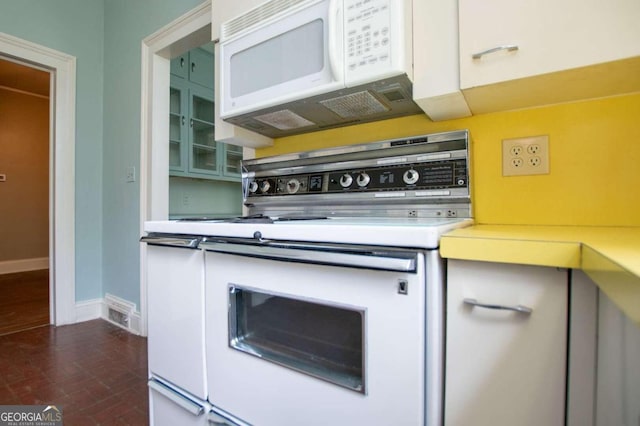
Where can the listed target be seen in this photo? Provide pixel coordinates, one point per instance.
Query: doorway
(61, 70)
(185, 33)
(24, 195)
(189, 31)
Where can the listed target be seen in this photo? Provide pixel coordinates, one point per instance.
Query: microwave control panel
(369, 37)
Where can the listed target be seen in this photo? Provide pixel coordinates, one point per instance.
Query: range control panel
(415, 174)
(430, 175)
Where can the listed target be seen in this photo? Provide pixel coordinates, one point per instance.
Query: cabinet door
(180, 66)
(550, 36)
(618, 381)
(175, 297)
(201, 67)
(203, 156)
(232, 165)
(505, 367)
(178, 117)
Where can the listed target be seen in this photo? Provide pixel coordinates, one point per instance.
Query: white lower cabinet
(505, 366)
(618, 373)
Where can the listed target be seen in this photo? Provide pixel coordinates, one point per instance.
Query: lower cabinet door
(506, 344)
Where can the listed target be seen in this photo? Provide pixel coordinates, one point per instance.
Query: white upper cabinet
(436, 76)
(555, 51)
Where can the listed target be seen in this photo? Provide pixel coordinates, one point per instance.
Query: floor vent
(119, 311)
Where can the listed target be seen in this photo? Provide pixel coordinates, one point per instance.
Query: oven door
(175, 277)
(297, 334)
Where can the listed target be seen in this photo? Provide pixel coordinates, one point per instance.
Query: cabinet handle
(183, 120)
(181, 62)
(191, 123)
(193, 66)
(518, 308)
(508, 48)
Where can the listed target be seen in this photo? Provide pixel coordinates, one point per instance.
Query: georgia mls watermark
(30, 415)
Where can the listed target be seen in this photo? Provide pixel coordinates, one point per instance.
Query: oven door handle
(216, 419)
(172, 240)
(321, 254)
(182, 401)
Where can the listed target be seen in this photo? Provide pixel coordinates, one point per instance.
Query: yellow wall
(594, 160)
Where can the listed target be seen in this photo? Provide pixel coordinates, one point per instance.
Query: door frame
(191, 30)
(62, 131)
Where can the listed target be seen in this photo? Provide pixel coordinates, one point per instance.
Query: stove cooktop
(401, 192)
(383, 231)
(256, 218)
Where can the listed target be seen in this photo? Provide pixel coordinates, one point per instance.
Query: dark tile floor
(94, 370)
(24, 302)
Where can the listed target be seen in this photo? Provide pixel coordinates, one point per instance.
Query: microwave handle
(336, 39)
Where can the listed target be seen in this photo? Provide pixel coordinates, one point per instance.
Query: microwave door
(289, 58)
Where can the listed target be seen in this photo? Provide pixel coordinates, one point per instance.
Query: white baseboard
(88, 310)
(23, 265)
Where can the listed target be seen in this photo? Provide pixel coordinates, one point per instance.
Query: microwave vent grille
(284, 120)
(255, 16)
(355, 105)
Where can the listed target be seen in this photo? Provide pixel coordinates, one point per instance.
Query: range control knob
(265, 186)
(253, 187)
(410, 177)
(363, 179)
(346, 180)
(293, 185)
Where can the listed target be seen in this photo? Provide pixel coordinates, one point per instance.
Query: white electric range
(326, 304)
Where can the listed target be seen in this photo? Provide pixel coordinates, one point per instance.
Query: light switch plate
(525, 156)
(131, 174)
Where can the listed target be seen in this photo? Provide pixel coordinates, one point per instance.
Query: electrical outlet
(186, 200)
(525, 156)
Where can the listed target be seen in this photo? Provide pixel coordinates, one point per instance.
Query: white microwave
(294, 66)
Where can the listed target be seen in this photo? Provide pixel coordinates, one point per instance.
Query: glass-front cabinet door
(193, 151)
(178, 128)
(204, 149)
(233, 160)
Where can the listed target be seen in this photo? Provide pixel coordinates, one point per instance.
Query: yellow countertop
(609, 255)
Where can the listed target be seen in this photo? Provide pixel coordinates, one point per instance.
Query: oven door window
(318, 339)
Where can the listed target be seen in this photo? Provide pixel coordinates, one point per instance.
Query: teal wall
(75, 27)
(127, 23)
(206, 198)
(105, 36)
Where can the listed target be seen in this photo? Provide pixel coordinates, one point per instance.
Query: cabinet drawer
(505, 366)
